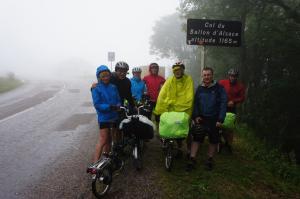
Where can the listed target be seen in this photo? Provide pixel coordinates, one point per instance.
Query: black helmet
(233, 72)
(180, 64)
(121, 64)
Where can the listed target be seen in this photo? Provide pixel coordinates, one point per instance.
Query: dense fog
(71, 37)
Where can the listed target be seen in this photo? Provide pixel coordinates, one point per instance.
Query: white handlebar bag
(139, 126)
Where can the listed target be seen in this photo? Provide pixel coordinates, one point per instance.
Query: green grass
(240, 175)
(7, 84)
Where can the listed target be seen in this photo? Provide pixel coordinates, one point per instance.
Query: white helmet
(136, 70)
(121, 65)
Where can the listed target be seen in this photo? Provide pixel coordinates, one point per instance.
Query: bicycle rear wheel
(101, 184)
(169, 157)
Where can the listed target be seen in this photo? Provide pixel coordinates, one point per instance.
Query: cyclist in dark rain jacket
(122, 82)
(209, 111)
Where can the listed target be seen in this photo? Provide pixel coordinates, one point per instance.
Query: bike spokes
(101, 184)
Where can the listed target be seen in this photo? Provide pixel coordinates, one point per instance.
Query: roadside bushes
(258, 149)
(9, 82)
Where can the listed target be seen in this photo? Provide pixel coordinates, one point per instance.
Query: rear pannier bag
(229, 122)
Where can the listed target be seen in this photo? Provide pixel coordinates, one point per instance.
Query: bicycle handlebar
(126, 109)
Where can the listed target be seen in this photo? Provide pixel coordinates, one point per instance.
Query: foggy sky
(48, 36)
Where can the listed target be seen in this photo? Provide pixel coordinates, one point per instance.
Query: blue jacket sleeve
(196, 106)
(223, 104)
(98, 104)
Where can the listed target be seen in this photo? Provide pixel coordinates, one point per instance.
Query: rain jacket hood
(176, 95)
(101, 69)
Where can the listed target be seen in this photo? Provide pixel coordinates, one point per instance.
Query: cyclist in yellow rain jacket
(177, 94)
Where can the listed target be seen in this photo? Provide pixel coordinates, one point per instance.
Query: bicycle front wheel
(101, 184)
(137, 157)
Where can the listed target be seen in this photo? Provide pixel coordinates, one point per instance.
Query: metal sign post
(202, 58)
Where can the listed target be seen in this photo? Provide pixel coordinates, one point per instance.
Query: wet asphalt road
(39, 122)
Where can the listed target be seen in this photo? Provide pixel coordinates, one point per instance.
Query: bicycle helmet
(136, 70)
(121, 65)
(233, 72)
(197, 129)
(178, 64)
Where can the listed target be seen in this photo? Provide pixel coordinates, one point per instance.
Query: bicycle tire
(103, 182)
(137, 158)
(169, 158)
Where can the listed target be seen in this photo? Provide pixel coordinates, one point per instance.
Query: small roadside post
(111, 58)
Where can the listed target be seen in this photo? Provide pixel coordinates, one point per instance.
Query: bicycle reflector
(91, 170)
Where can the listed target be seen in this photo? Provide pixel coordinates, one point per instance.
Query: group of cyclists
(208, 106)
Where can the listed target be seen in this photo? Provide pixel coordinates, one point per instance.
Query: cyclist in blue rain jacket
(138, 86)
(106, 101)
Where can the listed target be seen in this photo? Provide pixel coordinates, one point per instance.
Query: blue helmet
(101, 69)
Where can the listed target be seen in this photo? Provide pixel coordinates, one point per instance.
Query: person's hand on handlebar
(114, 107)
(145, 96)
(198, 120)
(230, 104)
(219, 124)
(135, 109)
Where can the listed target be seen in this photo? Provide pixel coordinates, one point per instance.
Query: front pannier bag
(174, 125)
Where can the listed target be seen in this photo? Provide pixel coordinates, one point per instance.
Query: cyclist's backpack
(229, 122)
(174, 125)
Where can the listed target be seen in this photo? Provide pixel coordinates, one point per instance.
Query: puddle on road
(74, 121)
(87, 104)
(74, 90)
